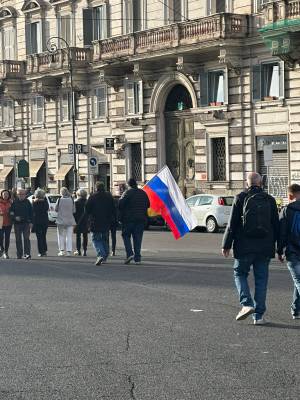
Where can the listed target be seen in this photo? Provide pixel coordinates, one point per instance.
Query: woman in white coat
(65, 209)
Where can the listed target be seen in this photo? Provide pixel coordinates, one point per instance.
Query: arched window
(8, 33)
(178, 99)
(35, 26)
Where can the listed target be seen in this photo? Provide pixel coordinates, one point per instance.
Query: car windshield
(53, 198)
(228, 201)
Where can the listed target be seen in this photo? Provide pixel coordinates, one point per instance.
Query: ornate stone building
(200, 85)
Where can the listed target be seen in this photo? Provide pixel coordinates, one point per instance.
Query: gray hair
(39, 194)
(64, 192)
(81, 193)
(254, 179)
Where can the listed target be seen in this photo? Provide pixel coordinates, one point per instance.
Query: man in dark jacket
(133, 207)
(253, 241)
(289, 241)
(21, 215)
(101, 210)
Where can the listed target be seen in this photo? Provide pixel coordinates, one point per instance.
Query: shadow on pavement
(280, 326)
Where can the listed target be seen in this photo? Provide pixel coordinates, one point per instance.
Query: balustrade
(13, 69)
(293, 9)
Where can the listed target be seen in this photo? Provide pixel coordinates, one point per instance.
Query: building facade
(200, 85)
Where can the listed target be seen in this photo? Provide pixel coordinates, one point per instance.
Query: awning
(34, 167)
(5, 172)
(62, 172)
(102, 158)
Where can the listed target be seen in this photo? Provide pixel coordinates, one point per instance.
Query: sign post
(268, 161)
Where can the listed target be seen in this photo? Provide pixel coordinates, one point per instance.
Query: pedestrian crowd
(98, 214)
(256, 232)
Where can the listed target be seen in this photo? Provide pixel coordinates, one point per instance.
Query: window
(95, 24)
(259, 4)
(37, 110)
(175, 10)
(65, 29)
(8, 43)
(205, 200)
(66, 106)
(133, 97)
(134, 15)
(7, 113)
(268, 81)
(218, 153)
(218, 6)
(213, 88)
(192, 201)
(99, 102)
(136, 161)
(33, 38)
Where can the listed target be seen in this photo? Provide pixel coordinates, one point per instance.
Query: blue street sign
(93, 161)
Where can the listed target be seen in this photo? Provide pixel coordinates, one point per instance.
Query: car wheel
(211, 225)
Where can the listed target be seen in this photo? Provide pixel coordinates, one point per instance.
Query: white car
(211, 211)
(52, 199)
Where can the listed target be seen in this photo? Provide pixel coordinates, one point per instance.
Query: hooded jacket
(234, 234)
(289, 237)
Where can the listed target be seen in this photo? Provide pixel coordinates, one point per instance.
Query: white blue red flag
(167, 200)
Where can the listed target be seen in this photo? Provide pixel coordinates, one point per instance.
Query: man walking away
(252, 229)
(289, 241)
(21, 215)
(133, 207)
(101, 210)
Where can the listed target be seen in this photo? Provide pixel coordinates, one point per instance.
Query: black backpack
(257, 215)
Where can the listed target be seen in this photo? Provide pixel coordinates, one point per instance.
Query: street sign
(93, 163)
(268, 155)
(109, 145)
(79, 148)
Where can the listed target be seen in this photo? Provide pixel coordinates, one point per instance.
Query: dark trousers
(41, 232)
(113, 234)
(134, 230)
(5, 238)
(84, 241)
(22, 232)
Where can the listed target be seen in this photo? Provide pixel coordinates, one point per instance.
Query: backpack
(257, 215)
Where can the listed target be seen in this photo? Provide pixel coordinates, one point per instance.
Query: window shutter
(87, 26)
(1, 46)
(256, 83)
(203, 88)
(104, 21)
(140, 97)
(226, 86)
(281, 80)
(28, 38)
(130, 107)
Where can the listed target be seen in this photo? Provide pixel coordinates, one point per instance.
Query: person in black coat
(101, 211)
(252, 247)
(40, 209)
(81, 218)
(133, 207)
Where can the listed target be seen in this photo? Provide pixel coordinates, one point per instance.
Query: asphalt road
(163, 330)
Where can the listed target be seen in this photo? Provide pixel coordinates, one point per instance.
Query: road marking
(195, 310)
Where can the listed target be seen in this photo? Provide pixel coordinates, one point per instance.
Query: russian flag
(167, 200)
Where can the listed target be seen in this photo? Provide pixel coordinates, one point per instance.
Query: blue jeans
(294, 268)
(100, 243)
(261, 273)
(134, 230)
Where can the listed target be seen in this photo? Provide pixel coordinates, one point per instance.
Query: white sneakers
(244, 313)
(61, 253)
(260, 321)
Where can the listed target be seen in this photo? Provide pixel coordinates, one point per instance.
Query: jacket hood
(295, 205)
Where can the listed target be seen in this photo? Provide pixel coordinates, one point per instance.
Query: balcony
(12, 69)
(281, 30)
(200, 31)
(57, 63)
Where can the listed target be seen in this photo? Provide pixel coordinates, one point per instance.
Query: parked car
(52, 199)
(211, 211)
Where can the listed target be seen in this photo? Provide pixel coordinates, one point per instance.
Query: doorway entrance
(179, 131)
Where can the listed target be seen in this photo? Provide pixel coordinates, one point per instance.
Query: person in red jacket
(5, 222)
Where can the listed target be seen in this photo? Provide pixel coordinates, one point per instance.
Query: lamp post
(52, 47)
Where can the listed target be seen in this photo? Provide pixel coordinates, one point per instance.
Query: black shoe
(99, 261)
(6, 256)
(1, 252)
(84, 253)
(113, 253)
(128, 260)
(27, 257)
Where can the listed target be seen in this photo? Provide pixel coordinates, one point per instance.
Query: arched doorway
(179, 138)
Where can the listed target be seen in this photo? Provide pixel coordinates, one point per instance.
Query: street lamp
(52, 48)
